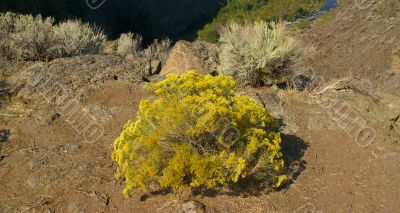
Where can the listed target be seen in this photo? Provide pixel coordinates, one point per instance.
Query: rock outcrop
(184, 56)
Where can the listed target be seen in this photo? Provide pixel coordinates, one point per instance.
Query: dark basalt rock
(4, 135)
(301, 82)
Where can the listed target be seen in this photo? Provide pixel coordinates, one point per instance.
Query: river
(328, 6)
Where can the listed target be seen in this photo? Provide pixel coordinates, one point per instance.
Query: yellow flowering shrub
(195, 131)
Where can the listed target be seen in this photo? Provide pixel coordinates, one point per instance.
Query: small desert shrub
(35, 38)
(129, 43)
(7, 21)
(256, 53)
(158, 49)
(31, 37)
(197, 132)
(75, 38)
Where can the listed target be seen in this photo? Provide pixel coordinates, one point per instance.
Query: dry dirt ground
(340, 139)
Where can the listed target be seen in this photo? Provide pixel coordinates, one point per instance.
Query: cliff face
(151, 18)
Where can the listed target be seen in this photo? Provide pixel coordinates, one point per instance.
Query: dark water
(329, 5)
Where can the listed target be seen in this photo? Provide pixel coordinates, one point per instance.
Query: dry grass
(292, 95)
(331, 14)
(19, 107)
(396, 63)
(360, 85)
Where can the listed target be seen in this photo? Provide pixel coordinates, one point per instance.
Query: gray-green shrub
(74, 38)
(256, 53)
(128, 43)
(158, 50)
(7, 21)
(30, 37)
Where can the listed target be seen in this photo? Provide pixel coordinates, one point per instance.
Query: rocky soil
(341, 136)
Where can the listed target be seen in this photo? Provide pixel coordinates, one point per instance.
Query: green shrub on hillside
(197, 132)
(257, 53)
(303, 24)
(257, 10)
(35, 38)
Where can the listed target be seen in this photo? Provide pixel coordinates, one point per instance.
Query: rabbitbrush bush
(257, 53)
(195, 131)
(35, 38)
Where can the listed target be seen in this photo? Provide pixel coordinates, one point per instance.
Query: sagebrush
(25, 36)
(257, 53)
(128, 43)
(30, 37)
(195, 131)
(7, 21)
(75, 38)
(158, 49)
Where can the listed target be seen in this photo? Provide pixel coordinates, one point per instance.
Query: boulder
(185, 56)
(155, 67)
(4, 135)
(301, 82)
(191, 207)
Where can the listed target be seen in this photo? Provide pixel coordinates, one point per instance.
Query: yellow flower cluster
(195, 132)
